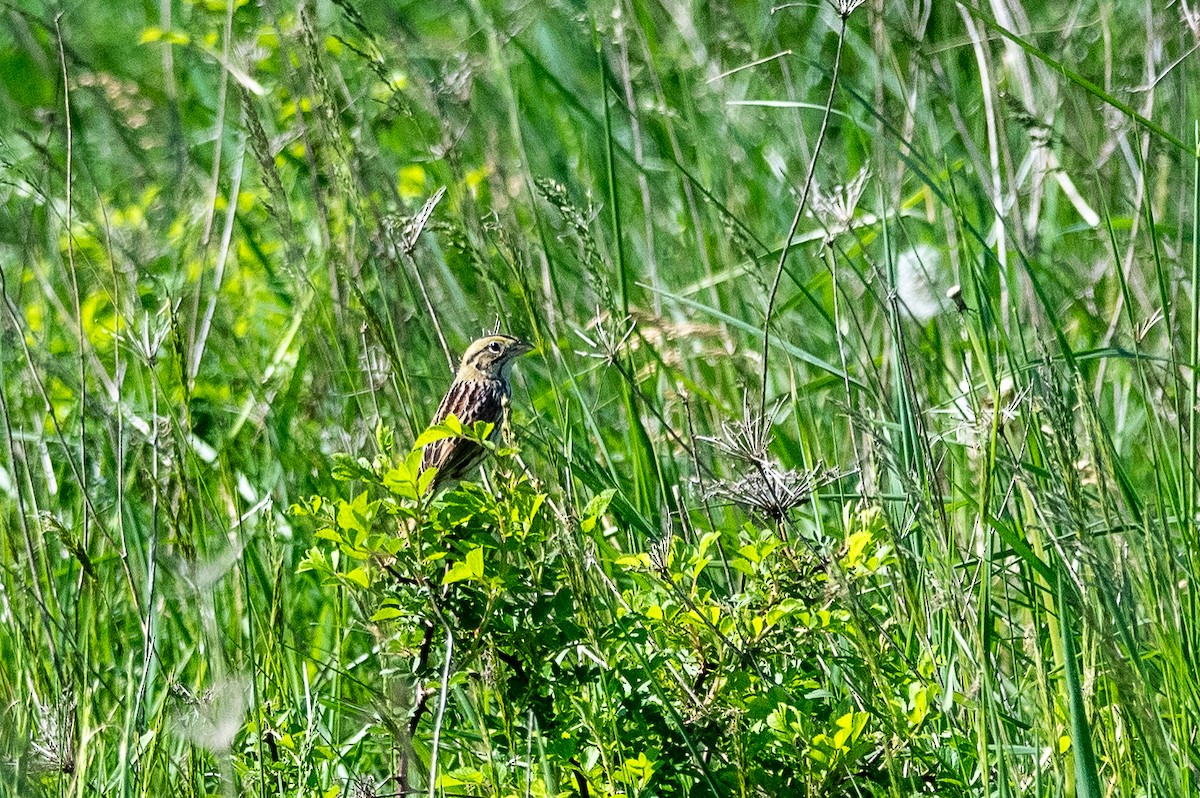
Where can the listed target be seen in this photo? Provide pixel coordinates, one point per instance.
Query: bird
(480, 392)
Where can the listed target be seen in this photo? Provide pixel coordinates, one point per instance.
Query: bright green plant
(674, 670)
(466, 586)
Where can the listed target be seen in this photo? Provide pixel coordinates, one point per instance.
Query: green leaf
(855, 546)
(707, 540)
(596, 508)
(386, 614)
(329, 534)
(359, 577)
(355, 516)
(529, 513)
(426, 479)
(1087, 775)
(348, 469)
(400, 482)
(306, 507)
(742, 565)
(314, 561)
(481, 431)
(384, 437)
(438, 432)
(751, 553)
(469, 568)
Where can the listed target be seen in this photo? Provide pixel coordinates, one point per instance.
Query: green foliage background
(933, 532)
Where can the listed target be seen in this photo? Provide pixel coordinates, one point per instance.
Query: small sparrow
(480, 392)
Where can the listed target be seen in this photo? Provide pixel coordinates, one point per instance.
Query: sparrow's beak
(521, 348)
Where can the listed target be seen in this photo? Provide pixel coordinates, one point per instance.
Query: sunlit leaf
(469, 568)
(359, 577)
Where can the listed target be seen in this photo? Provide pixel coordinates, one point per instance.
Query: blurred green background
(858, 455)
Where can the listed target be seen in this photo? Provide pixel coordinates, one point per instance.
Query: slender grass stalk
(1194, 340)
(440, 715)
(1087, 778)
(795, 224)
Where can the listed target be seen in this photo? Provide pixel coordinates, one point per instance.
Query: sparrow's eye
(495, 348)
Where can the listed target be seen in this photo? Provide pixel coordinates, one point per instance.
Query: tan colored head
(491, 357)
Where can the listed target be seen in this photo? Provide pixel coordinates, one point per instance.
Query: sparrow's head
(491, 357)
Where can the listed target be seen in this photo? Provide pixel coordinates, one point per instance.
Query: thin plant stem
(441, 712)
(787, 241)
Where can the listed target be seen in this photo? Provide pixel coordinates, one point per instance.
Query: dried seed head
(748, 438)
(606, 336)
(772, 490)
(53, 742)
(845, 8)
(836, 208)
(365, 787)
(660, 553)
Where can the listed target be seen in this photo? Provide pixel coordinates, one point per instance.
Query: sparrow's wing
(470, 401)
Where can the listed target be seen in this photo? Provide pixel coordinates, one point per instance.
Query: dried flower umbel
(837, 208)
(606, 337)
(747, 438)
(765, 487)
(53, 741)
(773, 492)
